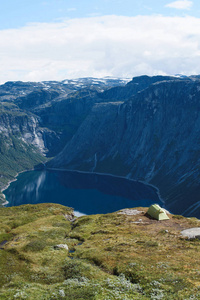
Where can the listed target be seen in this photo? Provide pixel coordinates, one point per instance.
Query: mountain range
(146, 129)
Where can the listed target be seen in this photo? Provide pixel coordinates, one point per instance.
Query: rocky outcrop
(192, 233)
(24, 126)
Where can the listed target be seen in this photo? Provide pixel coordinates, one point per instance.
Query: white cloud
(182, 4)
(111, 45)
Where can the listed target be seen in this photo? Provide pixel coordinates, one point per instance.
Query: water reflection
(86, 193)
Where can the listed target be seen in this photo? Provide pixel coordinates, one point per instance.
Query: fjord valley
(146, 129)
(38, 119)
(143, 133)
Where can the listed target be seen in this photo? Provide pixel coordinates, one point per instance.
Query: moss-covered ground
(112, 256)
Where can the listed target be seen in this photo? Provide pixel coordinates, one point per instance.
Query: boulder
(192, 233)
(61, 246)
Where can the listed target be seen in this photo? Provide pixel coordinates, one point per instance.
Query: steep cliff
(153, 137)
(21, 143)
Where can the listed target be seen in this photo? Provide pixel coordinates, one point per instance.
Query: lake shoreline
(8, 184)
(111, 175)
(83, 172)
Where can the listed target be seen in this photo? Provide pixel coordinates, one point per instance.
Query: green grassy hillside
(112, 256)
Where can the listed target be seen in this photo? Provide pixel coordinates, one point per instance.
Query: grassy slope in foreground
(115, 256)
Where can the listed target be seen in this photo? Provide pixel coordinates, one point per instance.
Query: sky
(62, 39)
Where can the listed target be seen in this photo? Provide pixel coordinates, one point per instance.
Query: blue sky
(17, 13)
(58, 39)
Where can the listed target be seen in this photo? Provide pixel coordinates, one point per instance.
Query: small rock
(129, 212)
(62, 246)
(69, 217)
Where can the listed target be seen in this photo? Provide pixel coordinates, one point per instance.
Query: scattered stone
(192, 233)
(137, 222)
(73, 220)
(61, 246)
(69, 217)
(130, 212)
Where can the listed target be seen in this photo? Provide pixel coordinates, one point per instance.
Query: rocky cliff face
(52, 111)
(152, 137)
(24, 126)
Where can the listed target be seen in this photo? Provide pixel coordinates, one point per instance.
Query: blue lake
(87, 193)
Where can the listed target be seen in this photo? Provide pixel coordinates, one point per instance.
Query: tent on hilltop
(156, 212)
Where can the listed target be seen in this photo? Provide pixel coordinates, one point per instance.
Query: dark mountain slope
(136, 85)
(153, 137)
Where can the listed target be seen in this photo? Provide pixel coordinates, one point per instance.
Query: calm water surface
(86, 193)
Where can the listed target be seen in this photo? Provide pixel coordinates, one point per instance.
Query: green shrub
(76, 269)
(35, 245)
